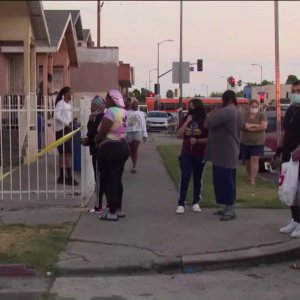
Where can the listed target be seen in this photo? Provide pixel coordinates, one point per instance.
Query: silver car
(157, 120)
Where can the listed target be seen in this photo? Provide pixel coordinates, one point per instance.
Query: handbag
(288, 182)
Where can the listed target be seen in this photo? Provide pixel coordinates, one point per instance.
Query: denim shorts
(134, 136)
(247, 151)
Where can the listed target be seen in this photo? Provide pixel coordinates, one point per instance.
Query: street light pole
(261, 71)
(158, 44)
(150, 78)
(180, 66)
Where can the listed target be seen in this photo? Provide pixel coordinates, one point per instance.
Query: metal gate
(25, 130)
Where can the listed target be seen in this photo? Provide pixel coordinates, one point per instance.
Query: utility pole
(277, 72)
(99, 6)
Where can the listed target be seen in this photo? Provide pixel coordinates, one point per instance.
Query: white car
(157, 120)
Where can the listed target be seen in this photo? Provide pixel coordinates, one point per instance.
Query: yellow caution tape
(45, 151)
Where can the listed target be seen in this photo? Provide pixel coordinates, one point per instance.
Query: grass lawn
(36, 246)
(264, 195)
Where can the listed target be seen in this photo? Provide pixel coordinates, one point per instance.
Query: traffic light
(199, 65)
(231, 81)
(262, 98)
(157, 88)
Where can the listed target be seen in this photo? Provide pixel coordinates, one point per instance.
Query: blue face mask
(295, 98)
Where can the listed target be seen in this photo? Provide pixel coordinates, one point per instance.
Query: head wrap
(99, 101)
(117, 97)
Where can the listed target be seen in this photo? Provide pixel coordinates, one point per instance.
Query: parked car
(271, 138)
(157, 120)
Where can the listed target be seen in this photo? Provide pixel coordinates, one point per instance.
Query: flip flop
(295, 266)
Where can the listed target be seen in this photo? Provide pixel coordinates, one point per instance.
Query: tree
(264, 82)
(170, 94)
(240, 93)
(291, 79)
(141, 94)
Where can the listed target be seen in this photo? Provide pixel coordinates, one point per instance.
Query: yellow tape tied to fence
(45, 151)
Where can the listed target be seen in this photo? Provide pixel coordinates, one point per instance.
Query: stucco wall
(98, 71)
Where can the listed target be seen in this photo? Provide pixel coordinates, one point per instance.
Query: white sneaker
(196, 208)
(296, 232)
(180, 210)
(290, 227)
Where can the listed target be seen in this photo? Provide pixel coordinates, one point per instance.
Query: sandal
(295, 266)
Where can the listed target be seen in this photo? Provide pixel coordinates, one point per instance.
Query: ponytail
(61, 93)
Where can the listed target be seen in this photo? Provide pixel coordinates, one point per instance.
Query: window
(15, 74)
(170, 106)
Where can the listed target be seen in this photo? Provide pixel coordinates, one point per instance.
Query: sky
(228, 35)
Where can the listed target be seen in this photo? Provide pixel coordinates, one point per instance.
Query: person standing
(112, 153)
(97, 113)
(63, 126)
(191, 159)
(290, 140)
(225, 126)
(135, 131)
(253, 139)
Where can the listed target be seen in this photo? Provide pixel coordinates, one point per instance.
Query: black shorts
(247, 151)
(66, 147)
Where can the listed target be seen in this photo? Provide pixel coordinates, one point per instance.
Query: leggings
(111, 159)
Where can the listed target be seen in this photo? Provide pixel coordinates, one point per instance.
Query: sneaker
(296, 232)
(289, 228)
(107, 216)
(121, 213)
(180, 209)
(196, 208)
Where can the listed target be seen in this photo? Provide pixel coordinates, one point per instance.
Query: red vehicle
(171, 104)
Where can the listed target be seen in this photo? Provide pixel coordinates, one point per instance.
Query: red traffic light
(262, 98)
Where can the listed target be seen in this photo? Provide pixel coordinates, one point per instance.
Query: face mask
(295, 98)
(254, 110)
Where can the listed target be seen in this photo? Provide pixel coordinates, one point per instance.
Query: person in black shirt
(97, 113)
(290, 140)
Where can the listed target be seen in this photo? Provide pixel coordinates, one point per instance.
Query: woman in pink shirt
(112, 153)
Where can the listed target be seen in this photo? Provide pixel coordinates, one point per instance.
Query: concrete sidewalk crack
(240, 249)
(118, 244)
(74, 255)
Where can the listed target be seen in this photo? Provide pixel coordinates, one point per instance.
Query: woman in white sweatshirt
(63, 126)
(135, 131)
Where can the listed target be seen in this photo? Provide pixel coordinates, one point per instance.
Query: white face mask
(254, 110)
(295, 98)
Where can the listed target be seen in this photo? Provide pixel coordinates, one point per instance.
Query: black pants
(111, 158)
(99, 186)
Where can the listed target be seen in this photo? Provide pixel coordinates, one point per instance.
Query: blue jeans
(190, 164)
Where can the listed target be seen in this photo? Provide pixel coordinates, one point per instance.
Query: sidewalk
(153, 238)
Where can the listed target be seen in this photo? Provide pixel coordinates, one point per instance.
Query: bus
(171, 105)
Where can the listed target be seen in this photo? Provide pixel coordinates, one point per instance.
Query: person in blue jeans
(194, 134)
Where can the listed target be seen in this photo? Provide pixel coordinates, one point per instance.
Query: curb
(241, 258)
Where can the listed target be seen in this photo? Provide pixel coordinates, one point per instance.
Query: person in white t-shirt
(63, 126)
(135, 131)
